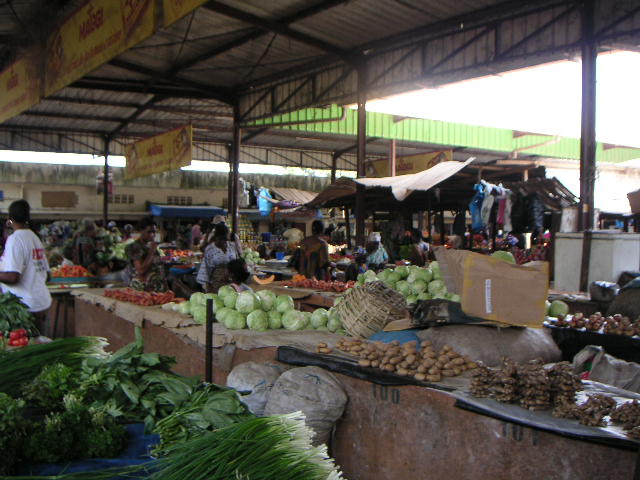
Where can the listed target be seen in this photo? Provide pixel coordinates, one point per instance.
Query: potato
(472, 365)
(429, 362)
(389, 368)
(403, 364)
(457, 371)
(422, 369)
(443, 359)
(375, 363)
(420, 376)
(322, 345)
(433, 378)
(364, 363)
(410, 359)
(446, 348)
(458, 361)
(449, 365)
(448, 373)
(324, 350)
(411, 344)
(434, 371)
(425, 343)
(402, 371)
(395, 360)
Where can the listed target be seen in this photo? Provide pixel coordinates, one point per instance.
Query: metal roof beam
(134, 115)
(278, 27)
(218, 93)
(254, 34)
(134, 86)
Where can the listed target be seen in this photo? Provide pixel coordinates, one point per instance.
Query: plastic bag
(603, 292)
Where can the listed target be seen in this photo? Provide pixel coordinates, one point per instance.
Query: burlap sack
(315, 392)
(257, 379)
(490, 344)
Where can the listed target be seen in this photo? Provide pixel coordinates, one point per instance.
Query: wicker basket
(365, 310)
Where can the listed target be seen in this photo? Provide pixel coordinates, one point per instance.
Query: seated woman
(218, 252)
(239, 274)
(144, 270)
(377, 256)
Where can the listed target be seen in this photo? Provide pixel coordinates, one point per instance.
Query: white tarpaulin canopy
(404, 185)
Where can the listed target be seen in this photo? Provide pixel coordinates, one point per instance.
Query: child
(239, 274)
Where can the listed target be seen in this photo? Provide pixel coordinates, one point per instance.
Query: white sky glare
(542, 99)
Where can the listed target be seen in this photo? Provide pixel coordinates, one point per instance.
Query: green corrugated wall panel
(442, 133)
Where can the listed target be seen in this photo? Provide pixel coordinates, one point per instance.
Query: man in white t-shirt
(23, 266)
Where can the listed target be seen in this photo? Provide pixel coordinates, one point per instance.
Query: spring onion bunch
(19, 367)
(267, 448)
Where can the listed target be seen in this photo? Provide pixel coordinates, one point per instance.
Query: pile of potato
(424, 363)
(612, 325)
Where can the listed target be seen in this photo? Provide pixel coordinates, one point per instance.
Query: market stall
(429, 425)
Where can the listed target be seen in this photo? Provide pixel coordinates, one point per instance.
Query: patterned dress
(154, 280)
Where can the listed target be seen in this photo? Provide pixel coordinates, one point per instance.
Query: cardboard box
(495, 290)
(634, 201)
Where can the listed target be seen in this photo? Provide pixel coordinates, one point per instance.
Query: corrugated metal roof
(300, 197)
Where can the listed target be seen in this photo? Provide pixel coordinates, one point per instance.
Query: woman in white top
(24, 267)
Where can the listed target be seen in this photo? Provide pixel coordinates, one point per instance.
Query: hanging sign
(408, 164)
(94, 34)
(19, 87)
(167, 151)
(174, 10)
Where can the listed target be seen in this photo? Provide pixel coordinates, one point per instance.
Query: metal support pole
(208, 354)
(588, 132)
(347, 224)
(230, 178)
(392, 158)
(105, 183)
(443, 237)
(235, 165)
(334, 165)
(362, 153)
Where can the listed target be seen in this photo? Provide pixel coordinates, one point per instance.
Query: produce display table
(571, 341)
(387, 431)
(307, 298)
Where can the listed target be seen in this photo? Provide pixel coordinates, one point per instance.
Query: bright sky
(543, 99)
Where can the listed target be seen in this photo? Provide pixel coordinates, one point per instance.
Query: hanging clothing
(487, 204)
(508, 203)
(475, 207)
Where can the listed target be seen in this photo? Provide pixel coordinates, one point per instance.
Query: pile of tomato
(178, 253)
(18, 338)
(146, 299)
(70, 271)
(314, 284)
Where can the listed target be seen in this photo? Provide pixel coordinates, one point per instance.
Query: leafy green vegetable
(247, 302)
(284, 303)
(12, 432)
(14, 315)
(19, 367)
(319, 318)
(275, 320)
(258, 320)
(293, 320)
(267, 299)
(48, 389)
(208, 408)
(235, 320)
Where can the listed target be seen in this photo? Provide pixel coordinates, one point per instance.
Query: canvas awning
(301, 197)
(404, 185)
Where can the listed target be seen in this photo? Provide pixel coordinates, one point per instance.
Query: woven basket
(366, 309)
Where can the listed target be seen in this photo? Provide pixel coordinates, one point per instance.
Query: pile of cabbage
(252, 257)
(259, 311)
(413, 283)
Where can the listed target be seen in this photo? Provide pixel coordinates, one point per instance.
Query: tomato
(24, 341)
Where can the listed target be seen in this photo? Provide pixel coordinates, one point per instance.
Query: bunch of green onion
(19, 367)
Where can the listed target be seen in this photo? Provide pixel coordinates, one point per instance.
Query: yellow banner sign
(19, 87)
(167, 151)
(408, 164)
(94, 34)
(174, 10)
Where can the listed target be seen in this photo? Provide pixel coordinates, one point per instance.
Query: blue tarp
(136, 452)
(186, 212)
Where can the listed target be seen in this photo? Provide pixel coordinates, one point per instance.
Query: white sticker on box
(487, 296)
